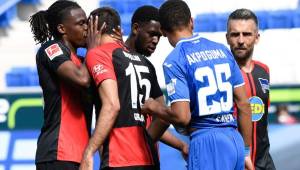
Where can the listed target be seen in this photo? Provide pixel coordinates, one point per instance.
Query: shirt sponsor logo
(98, 69)
(264, 84)
(53, 51)
(171, 87)
(225, 118)
(257, 108)
(139, 117)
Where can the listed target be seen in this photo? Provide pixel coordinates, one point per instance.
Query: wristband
(247, 151)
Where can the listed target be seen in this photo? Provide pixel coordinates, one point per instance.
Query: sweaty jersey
(64, 134)
(257, 86)
(128, 143)
(204, 73)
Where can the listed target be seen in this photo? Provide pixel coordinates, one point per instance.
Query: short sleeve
(237, 77)
(55, 54)
(175, 78)
(155, 89)
(99, 64)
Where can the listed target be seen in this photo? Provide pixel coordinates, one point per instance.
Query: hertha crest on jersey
(53, 51)
(264, 84)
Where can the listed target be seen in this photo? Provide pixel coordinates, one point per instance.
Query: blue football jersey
(204, 73)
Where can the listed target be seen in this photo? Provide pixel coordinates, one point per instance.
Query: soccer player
(60, 30)
(203, 81)
(242, 35)
(143, 39)
(123, 80)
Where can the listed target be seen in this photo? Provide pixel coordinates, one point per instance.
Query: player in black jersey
(123, 80)
(144, 37)
(60, 30)
(242, 35)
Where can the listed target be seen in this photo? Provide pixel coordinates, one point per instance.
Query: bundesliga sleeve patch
(53, 51)
(171, 87)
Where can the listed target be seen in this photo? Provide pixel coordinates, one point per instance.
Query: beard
(140, 49)
(242, 55)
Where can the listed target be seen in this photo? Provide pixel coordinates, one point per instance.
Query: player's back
(207, 74)
(128, 143)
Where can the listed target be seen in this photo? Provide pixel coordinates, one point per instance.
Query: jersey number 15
(135, 71)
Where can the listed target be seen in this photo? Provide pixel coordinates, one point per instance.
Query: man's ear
(257, 38)
(192, 23)
(61, 29)
(135, 28)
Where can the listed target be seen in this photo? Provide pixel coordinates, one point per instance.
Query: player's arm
(108, 92)
(68, 71)
(158, 126)
(244, 121)
(244, 114)
(158, 129)
(169, 139)
(178, 114)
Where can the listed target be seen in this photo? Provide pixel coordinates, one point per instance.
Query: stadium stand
(8, 10)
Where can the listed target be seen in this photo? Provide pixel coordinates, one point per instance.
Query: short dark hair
(145, 13)
(108, 15)
(44, 23)
(174, 14)
(243, 14)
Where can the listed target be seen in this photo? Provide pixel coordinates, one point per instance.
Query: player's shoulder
(103, 50)
(53, 48)
(212, 43)
(262, 65)
(145, 59)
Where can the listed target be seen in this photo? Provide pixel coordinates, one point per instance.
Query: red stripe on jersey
(254, 134)
(248, 91)
(264, 66)
(73, 133)
(99, 62)
(254, 147)
(128, 148)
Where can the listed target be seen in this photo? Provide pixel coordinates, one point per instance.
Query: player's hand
(94, 34)
(86, 162)
(117, 33)
(185, 150)
(248, 163)
(150, 106)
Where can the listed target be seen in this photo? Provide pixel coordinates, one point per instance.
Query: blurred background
(20, 95)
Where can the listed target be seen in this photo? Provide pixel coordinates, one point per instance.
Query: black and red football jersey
(64, 134)
(257, 86)
(128, 144)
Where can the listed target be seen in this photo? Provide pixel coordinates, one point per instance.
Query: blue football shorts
(216, 149)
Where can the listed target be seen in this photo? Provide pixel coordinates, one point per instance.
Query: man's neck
(106, 38)
(70, 46)
(246, 65)
(130, 43)
(180, 34)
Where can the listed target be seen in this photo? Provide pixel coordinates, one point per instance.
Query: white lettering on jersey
(132, 57)
(205, 55)
(225, 118)
(98, 69)
(139, 117)
(53, 51)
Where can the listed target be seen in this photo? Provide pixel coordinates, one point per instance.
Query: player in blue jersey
(203, 81)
